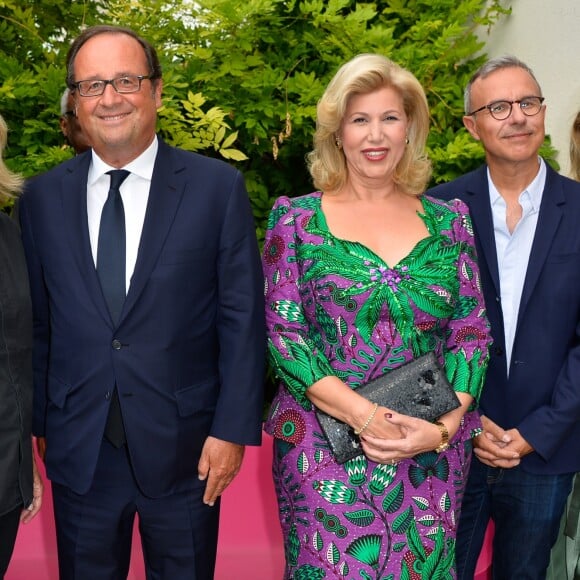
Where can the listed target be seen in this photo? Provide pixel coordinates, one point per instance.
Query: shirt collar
(533, 191)
(141, 166)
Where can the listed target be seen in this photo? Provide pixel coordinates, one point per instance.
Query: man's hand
(518, 444)
(219, 463)
(496, 447)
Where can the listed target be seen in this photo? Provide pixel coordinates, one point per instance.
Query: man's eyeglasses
(96, 87)
(501, 110)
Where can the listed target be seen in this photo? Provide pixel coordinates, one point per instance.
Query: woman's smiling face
(374, 133)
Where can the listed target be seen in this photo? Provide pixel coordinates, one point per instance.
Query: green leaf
(445, 503)
(317, 542)
(332, 554)
(361, 518)
(302, 463)
(431, 568)
(229, 140)
(402, 522)
(394, 498)
(421, 502)
(219, 136)
(233, 154)
(415, 543)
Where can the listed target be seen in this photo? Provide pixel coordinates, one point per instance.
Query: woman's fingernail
(388, 415)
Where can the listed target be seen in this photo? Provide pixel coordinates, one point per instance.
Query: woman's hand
(386, 436)
(415, 436)
(37, 490)
(378, 428)
(337, 399)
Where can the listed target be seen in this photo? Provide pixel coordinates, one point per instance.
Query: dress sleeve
(296, 356)
(468, 331)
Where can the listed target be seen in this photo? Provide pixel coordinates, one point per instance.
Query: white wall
(545, 34)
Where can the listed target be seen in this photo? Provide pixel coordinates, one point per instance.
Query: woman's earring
(338, 142)
(407, 140)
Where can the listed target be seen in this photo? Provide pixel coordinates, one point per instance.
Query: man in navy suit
(526, 219)
(146, 402)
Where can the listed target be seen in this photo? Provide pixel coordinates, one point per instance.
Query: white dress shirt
(134, 193)
(513, 249)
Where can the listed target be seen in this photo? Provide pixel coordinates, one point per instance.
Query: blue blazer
(187, 354)
(541, 398)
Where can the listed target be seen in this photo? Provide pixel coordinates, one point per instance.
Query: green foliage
(242, 77)
(206, 130)
(34, 39)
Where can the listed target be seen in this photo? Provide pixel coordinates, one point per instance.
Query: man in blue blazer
(526, 219)
(146, 403)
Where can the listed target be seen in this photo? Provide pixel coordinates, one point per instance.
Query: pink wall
(249, 540)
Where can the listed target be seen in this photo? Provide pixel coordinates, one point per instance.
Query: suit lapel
(551, 210)
(477, 198)
(74, 208)
(167, 186)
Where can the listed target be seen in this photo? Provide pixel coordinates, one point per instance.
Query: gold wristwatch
(444, 437)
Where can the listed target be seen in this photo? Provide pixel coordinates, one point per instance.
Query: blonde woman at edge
(20, 483)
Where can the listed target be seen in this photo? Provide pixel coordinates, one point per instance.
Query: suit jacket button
(107, 395)
(498, 351)
(116, 344)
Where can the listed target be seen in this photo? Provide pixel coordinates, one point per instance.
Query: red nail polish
(388, 415)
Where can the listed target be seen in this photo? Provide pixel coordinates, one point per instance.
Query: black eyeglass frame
(489, 107)
(113, 82)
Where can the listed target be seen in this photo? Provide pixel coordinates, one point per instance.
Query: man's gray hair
(491, 66)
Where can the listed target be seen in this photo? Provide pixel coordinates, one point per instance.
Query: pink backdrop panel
(250, 541)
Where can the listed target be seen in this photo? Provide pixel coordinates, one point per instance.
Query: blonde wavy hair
(575, 149)
(364, 74)
(10, 183)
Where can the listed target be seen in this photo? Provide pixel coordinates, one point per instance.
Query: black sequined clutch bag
(418, 388)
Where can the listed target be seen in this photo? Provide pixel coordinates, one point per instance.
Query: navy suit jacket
(541, 398)
(187, 354)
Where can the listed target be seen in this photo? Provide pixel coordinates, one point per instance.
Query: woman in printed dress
(360, 277)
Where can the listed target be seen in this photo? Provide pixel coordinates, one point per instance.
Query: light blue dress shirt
(513, 249)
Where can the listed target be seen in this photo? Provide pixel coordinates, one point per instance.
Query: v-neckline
(424, 215)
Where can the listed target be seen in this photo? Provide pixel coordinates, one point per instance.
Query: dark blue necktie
(111, 248)
(111, 271)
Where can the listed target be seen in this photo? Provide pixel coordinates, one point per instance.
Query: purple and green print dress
(333, 307)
